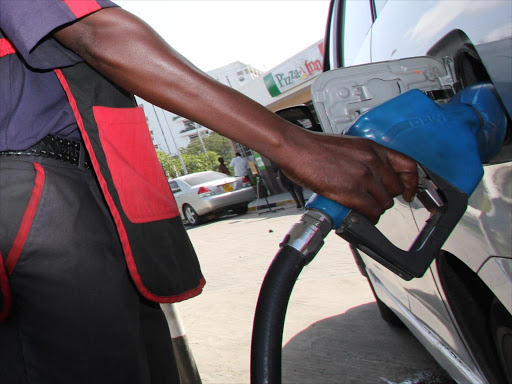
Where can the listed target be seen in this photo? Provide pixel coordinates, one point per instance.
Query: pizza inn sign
(296, 70)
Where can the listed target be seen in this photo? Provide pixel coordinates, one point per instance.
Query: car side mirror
(300, 115)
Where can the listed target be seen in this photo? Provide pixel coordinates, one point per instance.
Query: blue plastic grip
(483, 98)
(452, 139)
(335, 211)
(443, 138)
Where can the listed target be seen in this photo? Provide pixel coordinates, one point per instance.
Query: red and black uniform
(90, 236)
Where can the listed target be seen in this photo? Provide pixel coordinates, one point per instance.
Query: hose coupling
(307, 236)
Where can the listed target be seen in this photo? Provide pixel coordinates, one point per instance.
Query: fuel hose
(298, 248)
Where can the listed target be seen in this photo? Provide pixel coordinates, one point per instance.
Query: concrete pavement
(333, 332)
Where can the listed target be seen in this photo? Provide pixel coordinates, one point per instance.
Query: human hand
(357, 173)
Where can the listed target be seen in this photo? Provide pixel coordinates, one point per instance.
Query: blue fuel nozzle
(449, 142)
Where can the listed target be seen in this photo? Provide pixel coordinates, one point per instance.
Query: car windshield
(196, 179)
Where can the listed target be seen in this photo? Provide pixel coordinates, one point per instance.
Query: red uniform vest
(159, 255)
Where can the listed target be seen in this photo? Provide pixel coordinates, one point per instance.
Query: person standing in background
(240, 165)
(222, 167)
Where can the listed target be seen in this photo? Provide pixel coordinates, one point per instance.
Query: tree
(170, 164)
(194, 157)
(213, 142)
(194, 163)
(202, 162)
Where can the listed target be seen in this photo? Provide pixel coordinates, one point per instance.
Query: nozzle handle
(359, 231)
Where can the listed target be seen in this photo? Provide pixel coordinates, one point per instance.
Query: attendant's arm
(355, 172)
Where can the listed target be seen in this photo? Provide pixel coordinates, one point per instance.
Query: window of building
(189, 126)
(244, 151)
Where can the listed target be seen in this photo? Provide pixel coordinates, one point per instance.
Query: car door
(350, 44)
(447, 29)
(393, 38)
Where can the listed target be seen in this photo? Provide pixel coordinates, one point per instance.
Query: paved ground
(333, 331)
(275, 201)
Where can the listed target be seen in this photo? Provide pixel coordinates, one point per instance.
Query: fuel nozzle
(449, 142)
(307, 236)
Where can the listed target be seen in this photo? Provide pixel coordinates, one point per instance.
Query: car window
(196, 179)
(174, 186)
(357, 20)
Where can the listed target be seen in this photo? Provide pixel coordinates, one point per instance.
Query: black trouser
(76, 316)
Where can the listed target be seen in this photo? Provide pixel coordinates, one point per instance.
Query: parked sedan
(207, 193)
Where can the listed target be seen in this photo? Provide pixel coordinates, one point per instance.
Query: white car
(208, 193)
(461, 309)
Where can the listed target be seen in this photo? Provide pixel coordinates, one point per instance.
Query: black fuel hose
(267, 336)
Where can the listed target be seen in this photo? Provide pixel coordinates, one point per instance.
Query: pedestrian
(222, 167)
(240, 165)
(241, 168)
(91, 239)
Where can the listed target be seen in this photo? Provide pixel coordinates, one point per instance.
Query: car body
(207, 193)
(461, 309)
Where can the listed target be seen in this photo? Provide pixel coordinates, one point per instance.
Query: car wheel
(191, 215)
(385, 312)
(501, 328)
(241, 210)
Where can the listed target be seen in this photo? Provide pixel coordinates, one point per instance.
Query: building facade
(171, 132)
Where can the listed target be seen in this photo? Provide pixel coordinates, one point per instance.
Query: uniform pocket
(137, 174)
